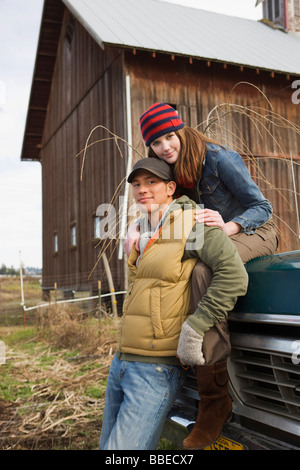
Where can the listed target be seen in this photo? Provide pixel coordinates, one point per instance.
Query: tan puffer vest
(158, 299)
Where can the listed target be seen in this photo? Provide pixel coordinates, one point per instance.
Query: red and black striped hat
(158, 120)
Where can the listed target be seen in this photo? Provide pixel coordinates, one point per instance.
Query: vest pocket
(155, 312)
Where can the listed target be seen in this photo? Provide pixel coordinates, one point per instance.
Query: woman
(215, 177)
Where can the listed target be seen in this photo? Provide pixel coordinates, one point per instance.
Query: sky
(20, 182)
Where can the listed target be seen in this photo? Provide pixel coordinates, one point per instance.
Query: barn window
(273, 9)
(276, 9)
(55, 243)
(97, 227)
(270, 9)
(73, 235)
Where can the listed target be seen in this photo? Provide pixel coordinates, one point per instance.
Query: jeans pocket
(168, 374)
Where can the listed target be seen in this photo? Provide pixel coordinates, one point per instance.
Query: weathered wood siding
(87, 91)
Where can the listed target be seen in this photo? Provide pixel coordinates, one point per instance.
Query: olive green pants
(262, 243)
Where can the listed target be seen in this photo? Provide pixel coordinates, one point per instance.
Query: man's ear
(171, 188)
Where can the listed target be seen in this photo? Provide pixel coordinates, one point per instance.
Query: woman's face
(167, 147)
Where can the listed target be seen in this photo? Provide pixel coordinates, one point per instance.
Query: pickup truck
(264, 365)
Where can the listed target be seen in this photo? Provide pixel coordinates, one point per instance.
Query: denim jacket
(227, 187)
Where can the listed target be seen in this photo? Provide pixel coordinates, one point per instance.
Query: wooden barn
(100, 64)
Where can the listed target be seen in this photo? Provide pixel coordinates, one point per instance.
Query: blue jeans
(139, 397)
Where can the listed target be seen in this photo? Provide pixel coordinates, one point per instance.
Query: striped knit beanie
(158, 120)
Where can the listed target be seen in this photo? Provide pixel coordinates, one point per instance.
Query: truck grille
(264, 373)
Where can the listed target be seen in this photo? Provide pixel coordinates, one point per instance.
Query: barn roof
(158, 25)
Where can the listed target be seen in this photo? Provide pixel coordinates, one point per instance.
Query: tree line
(27, 271)
(5, 270)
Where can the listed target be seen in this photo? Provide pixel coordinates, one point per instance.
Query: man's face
(152, 193)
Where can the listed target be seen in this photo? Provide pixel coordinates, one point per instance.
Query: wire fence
(93, 297)
(97, 308)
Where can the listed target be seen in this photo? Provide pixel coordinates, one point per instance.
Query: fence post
(55, 292)
(2, 352)
(22, 292)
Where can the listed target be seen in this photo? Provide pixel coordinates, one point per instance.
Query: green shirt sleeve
(230, 279)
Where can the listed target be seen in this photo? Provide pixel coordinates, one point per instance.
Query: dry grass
(58, 378)
(10, 288)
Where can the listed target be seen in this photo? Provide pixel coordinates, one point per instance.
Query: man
(146, 374)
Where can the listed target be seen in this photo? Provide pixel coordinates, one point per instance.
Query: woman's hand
(214, 218)
(132, 238)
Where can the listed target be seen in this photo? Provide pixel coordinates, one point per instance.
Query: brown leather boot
(215, 406)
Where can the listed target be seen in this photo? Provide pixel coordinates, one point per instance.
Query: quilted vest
(158, 298)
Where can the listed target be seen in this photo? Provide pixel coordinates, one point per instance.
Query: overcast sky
(20, 182)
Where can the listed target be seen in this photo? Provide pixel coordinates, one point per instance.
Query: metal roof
(157, 25)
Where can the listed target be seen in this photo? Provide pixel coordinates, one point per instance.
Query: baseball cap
(156, 166)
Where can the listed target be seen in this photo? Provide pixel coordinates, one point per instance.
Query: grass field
(53, 381)
(11, 312)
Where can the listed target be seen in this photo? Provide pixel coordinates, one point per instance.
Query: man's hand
(132, 238)
(189, 348)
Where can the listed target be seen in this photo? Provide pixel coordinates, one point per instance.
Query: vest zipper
(130, 290)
